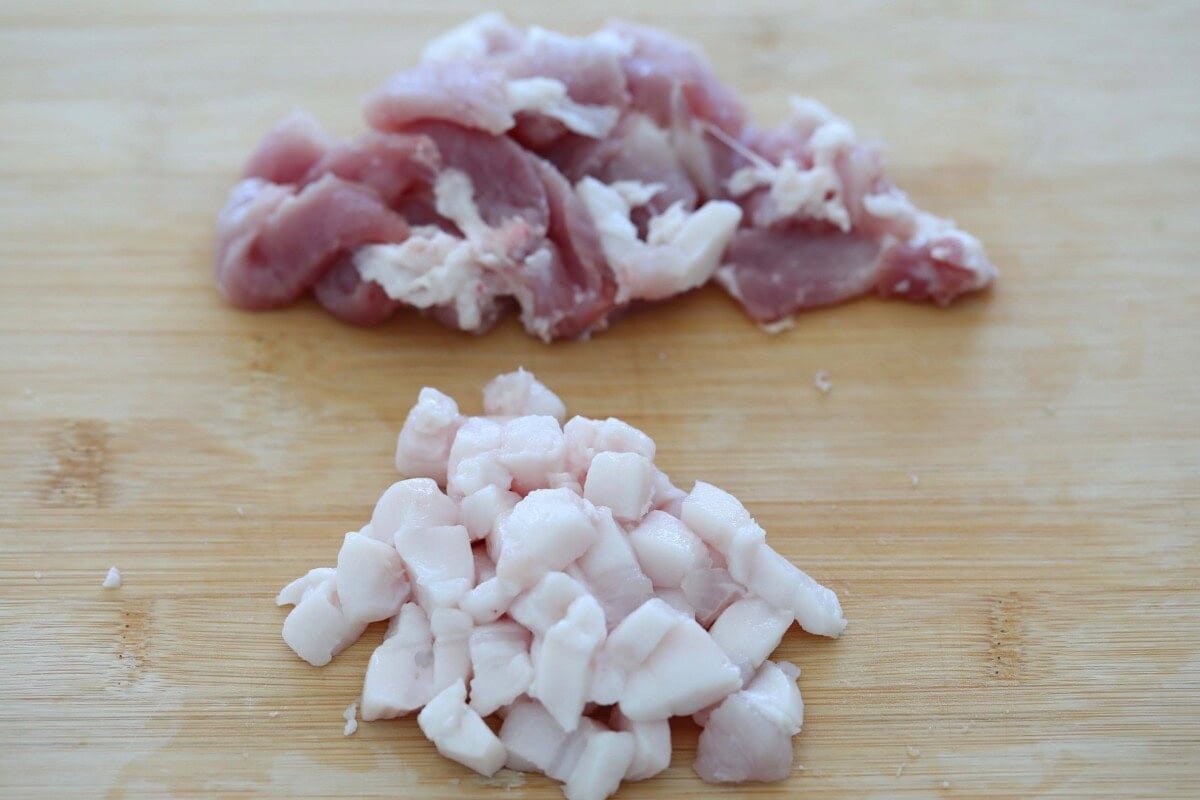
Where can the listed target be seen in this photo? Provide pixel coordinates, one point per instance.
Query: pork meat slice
(289, 150)
(748, 737)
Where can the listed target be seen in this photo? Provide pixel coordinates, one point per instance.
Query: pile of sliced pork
(570, 178)
(562, 583)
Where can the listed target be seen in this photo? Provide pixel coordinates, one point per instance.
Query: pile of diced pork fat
(570, 178)
(562, 583)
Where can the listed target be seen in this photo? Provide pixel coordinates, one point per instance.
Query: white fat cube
(490, 599)
(519, 393)
(371, 584)
(399, 675)
(632, 642)
(482, 509)
(547, 602)
(317, 629)
(532, 450)
(459, 733)
(598, 773)
(452, 630)
(622, 482)
(586, 437)
(685, 673)
(709, 592)
(501, 665)
(563, 666)
(416, 502)
(784, 585)
(713, 514)
(473, 462)
(423, 445)
(667, 549)
(545, 532)
(295, 591)
(748, 631)
(440, 563)
(651, 745)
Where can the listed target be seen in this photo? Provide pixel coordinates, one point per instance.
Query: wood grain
(1025, 619)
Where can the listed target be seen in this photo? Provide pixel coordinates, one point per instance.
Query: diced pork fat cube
(587, 437)
(423, 445)
(482, 509)
(685, 673)
(667, 550)
(370, 579)
(627, 646)
(459, 733)
(501, 665)
(605, 759)
(400, 673)
(547, 602)
(611, 571)
(651, 745)
(452, 630)
(562, 667)
(416, 502)
(519, 393)
(545, 532)
(725, 524)
(749, 631)
(709, 592)
(489, 600)
(749, 735)
(621, 482)
(532, 450)
(536, 743)
(317, 629)
(666, 496)
(439, 562)
(473, 461)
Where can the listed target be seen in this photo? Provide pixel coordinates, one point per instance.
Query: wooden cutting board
(1024, 620)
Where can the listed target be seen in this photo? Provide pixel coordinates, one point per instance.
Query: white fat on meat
(520, 393)
(667, 549)
(546, 603)
(686, 671)
(501, 665)
(680, 253)
(549, 97)
(621, 482)
(415, 502)
(371, 583)
(605, 760)
(545, 532)
(399, 676)
(748, 631)
(459, 733)
(423, 445)
(452, 629)
(748, 737)
(610, 570)
(317, 628)
(651, 745)
(440, 563)
(586, 437)
(628, 645)
(813, 193)
(725, 524)
(563, 665)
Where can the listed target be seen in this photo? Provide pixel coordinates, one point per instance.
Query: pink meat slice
(661, 66)
(273, 242)
(390, 163)
(289, 150)
(464, 92)
(343, 293)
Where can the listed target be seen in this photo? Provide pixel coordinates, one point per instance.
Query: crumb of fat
(113, 579)
(945, 784)
(899, 770)
(915, 479)
(241, 511)
(349, 716)
(273, 714)
(822, 381)
(37, 574)
(779, 325)
(662, 356)
(913, 752)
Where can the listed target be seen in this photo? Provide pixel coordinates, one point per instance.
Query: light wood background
(1024, 622)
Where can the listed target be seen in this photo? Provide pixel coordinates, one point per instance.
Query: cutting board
(1005, 493)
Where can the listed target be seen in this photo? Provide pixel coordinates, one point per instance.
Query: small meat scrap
(571, 178)
(111, 581)
(551, 575)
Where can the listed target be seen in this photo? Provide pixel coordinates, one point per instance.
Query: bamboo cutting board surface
(1024, 621)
